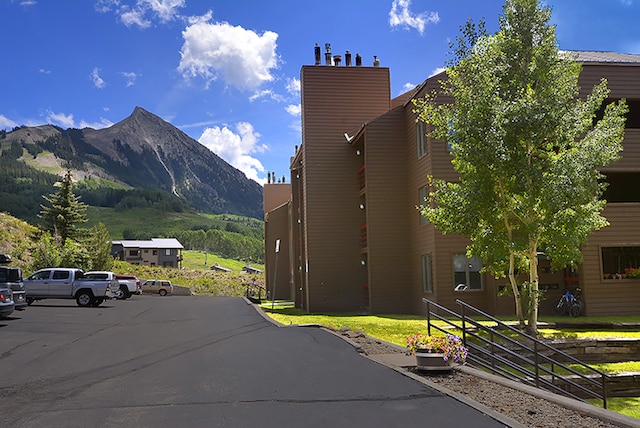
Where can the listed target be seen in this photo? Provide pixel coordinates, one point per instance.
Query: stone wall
(600, 351)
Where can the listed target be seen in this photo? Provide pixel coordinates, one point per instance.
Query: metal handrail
(498, 358)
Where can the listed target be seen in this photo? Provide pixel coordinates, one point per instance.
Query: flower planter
(432, 361)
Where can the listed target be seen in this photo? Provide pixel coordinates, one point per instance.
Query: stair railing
(516, 355)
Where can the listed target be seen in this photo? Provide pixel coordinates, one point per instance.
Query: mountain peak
(145, 151)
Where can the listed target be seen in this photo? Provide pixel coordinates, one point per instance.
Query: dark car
(11, 277)
(6, 302)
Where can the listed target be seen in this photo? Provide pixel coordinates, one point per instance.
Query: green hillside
(16, 240)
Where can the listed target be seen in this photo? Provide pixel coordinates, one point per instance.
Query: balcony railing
(363, 236)
(361, 178)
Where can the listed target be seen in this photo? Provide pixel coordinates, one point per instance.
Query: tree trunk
(532, 326)
(516, 291)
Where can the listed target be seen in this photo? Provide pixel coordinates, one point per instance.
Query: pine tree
(63, 212)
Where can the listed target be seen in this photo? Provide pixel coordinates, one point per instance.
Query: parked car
(67, 283)
(6, 302)
(11, 277)
(155, 286)
(128, 286)
(114, 284)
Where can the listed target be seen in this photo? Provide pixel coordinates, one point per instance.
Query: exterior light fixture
(361, 206)
(358, 152)
(363, 262)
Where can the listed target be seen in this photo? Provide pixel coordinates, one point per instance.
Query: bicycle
(569, 303)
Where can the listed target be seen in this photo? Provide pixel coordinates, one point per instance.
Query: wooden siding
(275, 195)
(611, 297)
(387, 216)
(630, 156)
(279, 274)
(335, 100)
(425, 239)
(622, 80)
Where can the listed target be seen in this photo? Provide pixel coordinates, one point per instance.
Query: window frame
(427, 273)
(421, 139)
(618, 275)
(423, 192)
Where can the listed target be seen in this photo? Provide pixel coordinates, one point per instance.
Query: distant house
(153, 252)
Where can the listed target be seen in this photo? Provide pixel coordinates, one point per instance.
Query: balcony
(363, 237)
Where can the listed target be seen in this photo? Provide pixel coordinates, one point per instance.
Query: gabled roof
(604, 57)
(152, 243)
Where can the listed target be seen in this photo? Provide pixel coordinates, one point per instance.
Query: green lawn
(199, 260)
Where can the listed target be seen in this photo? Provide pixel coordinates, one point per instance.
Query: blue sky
(227, 72)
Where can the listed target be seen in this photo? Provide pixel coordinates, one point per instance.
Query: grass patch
(199, 278)
(390, 328)
(628, 406)
(199, 260)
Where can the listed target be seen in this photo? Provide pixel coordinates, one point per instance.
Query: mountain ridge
(143, 151)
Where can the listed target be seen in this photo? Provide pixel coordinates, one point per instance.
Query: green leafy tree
(527, 151)
(74, 254)
(63, 212)
(98, 245)
(45, 252)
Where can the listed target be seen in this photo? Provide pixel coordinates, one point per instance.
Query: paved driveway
(199, 361)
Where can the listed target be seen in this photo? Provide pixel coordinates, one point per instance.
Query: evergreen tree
(64, 211)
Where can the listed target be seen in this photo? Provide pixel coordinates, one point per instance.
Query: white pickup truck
(67, 283)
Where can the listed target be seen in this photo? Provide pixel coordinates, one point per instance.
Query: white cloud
(44, 71)
(97, 80)
(401, 16)
(294, 110)
(408, 86)
(293, 86)
(437, 71)
(236, 148)
(103, 123)
(60, 119)
(143, 12)
(165, 10)
(6, 123)
(266, 93)
(134, 17)
(130, 77)
(242, 58)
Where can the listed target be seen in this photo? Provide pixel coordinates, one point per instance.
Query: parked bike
(570, 303)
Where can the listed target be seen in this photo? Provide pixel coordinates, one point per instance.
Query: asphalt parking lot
(198, 361)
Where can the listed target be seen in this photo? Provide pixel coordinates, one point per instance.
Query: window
(467, 271)
(421, 139)
(620, 262)
(134, 253)
(427, 284)
(622, 187)
(633, 116)
(167, 252)
(60, 274)
(422, 196)
(155, 252)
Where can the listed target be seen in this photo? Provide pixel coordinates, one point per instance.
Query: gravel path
(523, 407)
